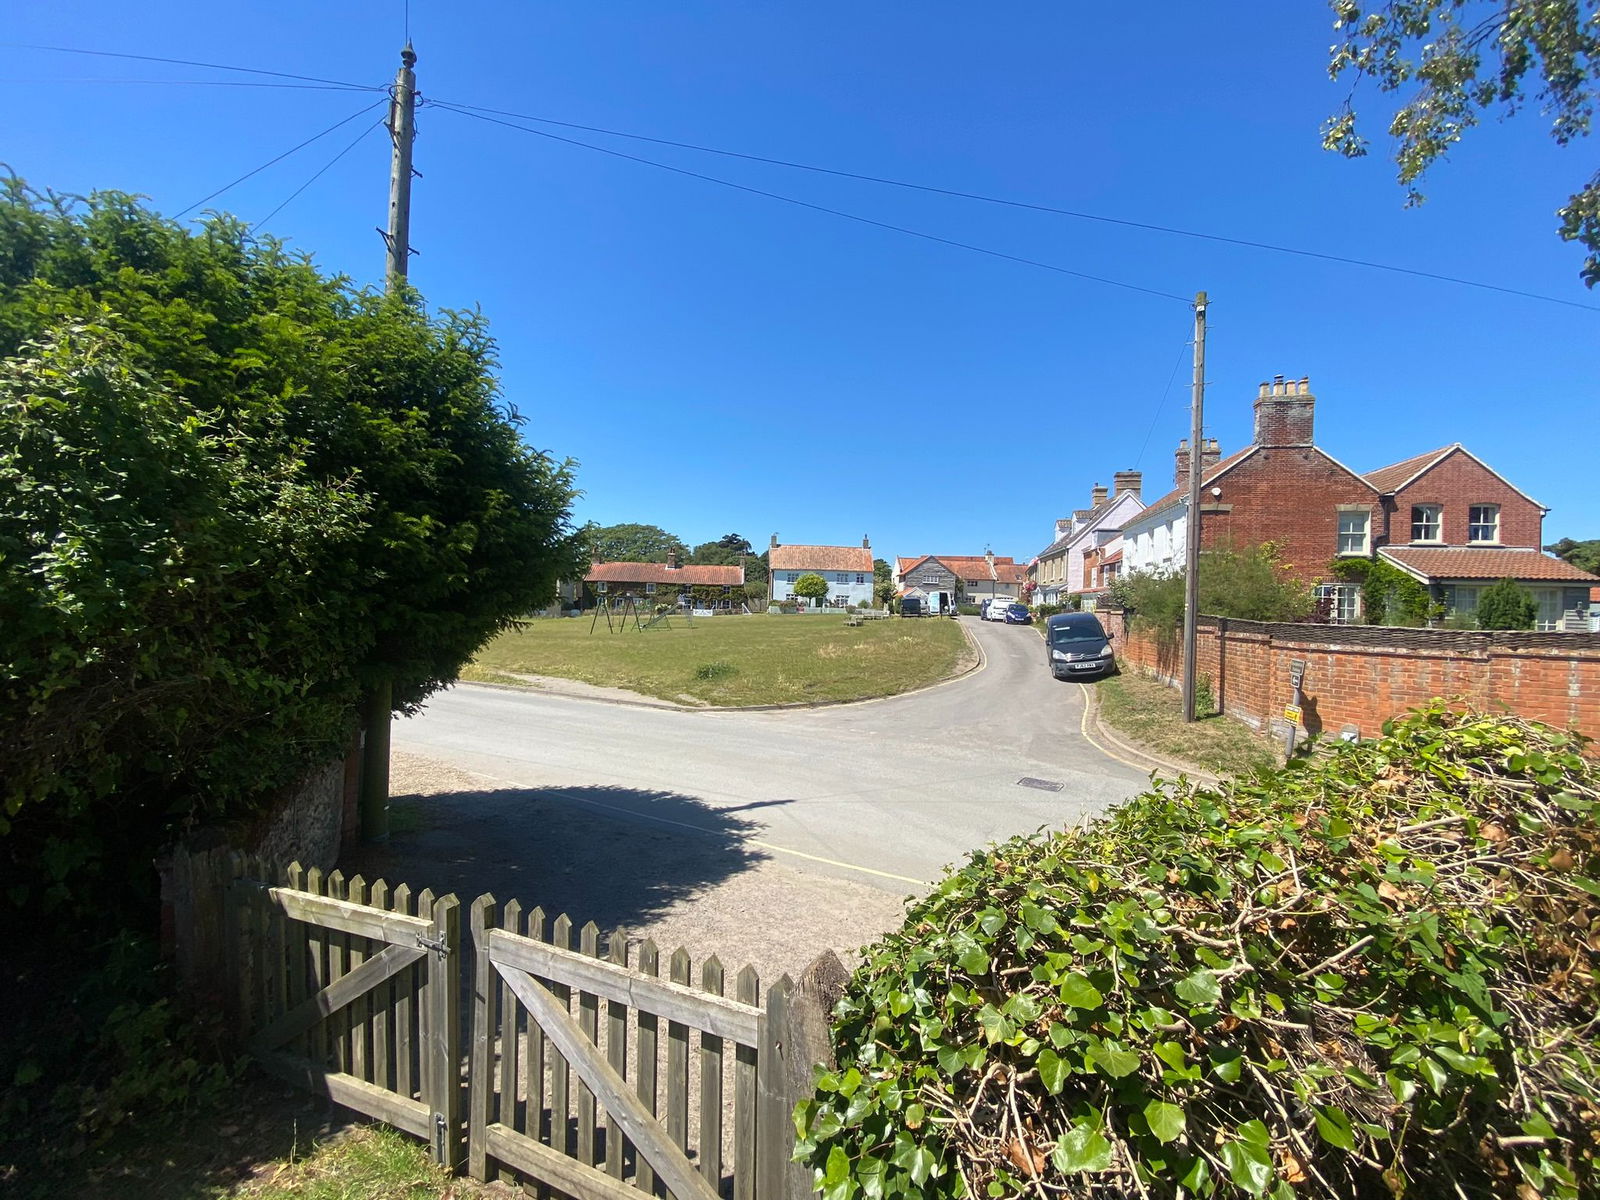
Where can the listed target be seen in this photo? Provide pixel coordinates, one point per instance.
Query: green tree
(633, 543)
(1506, 605)
(1584, 555)
(1251, 585)
(882, 582)
(811, 586)
(235, 495)
(1449, 61)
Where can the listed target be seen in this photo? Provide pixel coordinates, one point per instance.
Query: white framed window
(1549, 614)
(791, 577)
(649, 589)
(1342, 600)
(1353, 530)
(600, 587)
(1425, 522)
(861, 578)
(1463, 599)
(1483, 523)
(840, 577)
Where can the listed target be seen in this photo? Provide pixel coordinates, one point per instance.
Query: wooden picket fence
(354, 990)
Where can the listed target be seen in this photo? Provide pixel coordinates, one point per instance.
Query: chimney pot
(1286, 416)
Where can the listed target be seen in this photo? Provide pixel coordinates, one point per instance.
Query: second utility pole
(1191, 555)
(380, 700)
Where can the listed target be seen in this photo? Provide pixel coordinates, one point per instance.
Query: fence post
(795, 1039)
(197, 885)
(442, 1041)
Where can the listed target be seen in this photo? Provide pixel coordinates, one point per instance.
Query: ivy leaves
(1252, 991)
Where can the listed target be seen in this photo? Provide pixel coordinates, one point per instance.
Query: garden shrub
(1367, 974)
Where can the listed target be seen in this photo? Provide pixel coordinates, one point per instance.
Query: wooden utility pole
(380, 700)
(1191, 554)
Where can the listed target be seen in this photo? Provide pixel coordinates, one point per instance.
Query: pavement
(764, 836)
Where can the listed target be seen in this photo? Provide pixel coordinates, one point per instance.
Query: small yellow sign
(1291, 712)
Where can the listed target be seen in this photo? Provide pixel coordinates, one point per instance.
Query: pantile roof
(820, 558)
(1470, 562)
(968, 566)
(631, 572)
(1387, 479)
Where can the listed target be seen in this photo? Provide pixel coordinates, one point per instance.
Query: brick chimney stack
(1284, 412)
(672, 560)
(866, 542)
(774, 541)
(1098, 496)
(1210, 456)
(1127, 481)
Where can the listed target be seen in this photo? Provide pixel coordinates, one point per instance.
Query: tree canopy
(1449, 61)
(633, 543)
(1584, 555)
(234, 494)
(811, 585)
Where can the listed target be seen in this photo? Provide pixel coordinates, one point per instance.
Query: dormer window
(1483, 523)
(1425, 522)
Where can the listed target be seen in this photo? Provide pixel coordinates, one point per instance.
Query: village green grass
(1149, 713)
(731, 661)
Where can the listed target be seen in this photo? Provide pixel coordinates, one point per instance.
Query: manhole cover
(1044, 785)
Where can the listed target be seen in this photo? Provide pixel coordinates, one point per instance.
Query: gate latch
(437, 945)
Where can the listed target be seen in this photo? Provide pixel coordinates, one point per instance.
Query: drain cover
(1044, 785)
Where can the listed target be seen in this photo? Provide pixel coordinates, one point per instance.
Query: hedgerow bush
(1368, 974)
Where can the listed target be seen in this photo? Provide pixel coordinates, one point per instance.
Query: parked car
(1077, 646)
(1015, 614)
(911, 606)
(986, 610)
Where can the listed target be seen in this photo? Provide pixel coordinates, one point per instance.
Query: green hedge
(1368, 974)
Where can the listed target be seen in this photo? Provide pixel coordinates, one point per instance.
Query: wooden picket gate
(353, 990)
(556, 1096)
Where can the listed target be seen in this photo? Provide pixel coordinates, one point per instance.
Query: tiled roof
(1387, 479)
(967, 566)
(1470, 562)
(629, 572)
(1177, 494)
(820, 558)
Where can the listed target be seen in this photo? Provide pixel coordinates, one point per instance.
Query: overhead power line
(378, 124)
(957, 193)
(836, 212)
(366, 108)
(186, 62)
(237, 83)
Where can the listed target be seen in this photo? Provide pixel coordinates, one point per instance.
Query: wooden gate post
(442, 1038)
(795, 1039)
(480, 1069)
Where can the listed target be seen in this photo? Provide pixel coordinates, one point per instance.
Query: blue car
(1018, 614)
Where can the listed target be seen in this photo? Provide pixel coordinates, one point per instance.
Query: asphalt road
(884, 793)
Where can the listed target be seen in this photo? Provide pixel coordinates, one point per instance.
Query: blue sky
(718, 361)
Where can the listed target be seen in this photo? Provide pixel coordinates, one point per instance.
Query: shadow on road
(612, 855)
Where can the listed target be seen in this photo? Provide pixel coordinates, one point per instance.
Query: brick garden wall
(1361, 675)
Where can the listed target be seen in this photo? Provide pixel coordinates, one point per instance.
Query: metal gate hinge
(437, 945)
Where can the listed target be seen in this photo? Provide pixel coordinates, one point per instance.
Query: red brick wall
(1457, 483)
(1290, 496)
(1362, 675)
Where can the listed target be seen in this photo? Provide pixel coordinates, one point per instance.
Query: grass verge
(731, 661)
(1148, 712)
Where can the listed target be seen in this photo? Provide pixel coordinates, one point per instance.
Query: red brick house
(1454, 524)
(1444, 517)
(1282, 488)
